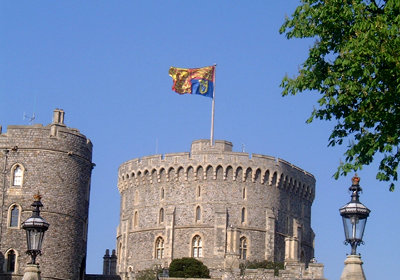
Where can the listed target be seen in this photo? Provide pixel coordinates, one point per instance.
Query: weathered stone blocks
(57, 162)
(239, 205)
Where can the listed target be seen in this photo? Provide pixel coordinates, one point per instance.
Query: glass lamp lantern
(35, 227)
(354, 215)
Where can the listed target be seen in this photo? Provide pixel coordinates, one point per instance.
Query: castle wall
(56, 162)
(276, 197)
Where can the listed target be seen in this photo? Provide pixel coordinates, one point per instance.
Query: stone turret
(57, 162)
(221, 206)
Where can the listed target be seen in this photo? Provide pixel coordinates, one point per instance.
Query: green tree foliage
(188, 268)
(355, 65)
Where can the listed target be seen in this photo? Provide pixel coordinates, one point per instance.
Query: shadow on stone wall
(7, 277)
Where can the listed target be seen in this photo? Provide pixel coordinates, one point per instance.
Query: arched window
(87, 196)
(162, 193)
(161, 216)
(135, 219)
(14, 215)
(17, 175)
(130, 273)
(244, 193)
(159, 248)
(136, 197)
(197, 247)
(11, 261)
(123, 202)
(243, 219)
(119, 253)
(243, 248)
(198, 191)
(198, 214)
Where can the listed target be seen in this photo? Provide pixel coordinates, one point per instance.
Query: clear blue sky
(106, 64)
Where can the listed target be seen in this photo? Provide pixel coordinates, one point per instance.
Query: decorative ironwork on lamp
(354, 215)
(35, 227)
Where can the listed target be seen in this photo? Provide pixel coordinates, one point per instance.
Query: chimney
(113, 263)
(58, 120)
(106, 263)
(58, 117)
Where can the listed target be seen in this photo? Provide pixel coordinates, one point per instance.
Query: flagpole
(213, 108)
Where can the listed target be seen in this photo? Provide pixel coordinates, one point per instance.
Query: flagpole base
(32, 272)
(353, 268)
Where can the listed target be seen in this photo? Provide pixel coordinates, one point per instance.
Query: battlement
(55, 136)
(216, 162)
(201, 152)
(225, 199)
(204, 145)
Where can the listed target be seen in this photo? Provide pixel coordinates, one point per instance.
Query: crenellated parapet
(55, 137)
(215, 204)
(217, 163)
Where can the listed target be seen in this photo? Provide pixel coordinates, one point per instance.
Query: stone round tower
(219, 206)
(55, 161)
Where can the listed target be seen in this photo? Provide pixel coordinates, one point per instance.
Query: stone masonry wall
(275, 196)
(56, 162)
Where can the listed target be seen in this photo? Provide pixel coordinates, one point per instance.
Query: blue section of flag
(202, 87)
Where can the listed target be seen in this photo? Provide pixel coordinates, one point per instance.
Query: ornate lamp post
(354, 215)
(35, 227)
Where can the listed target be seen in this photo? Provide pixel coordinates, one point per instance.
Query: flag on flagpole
(193, 80)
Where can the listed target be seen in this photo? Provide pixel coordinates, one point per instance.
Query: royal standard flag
(193, 80)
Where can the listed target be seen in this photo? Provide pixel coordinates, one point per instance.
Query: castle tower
(219, 206)
(57, 162)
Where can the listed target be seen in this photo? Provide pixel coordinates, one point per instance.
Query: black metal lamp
(35, 227)
(354, 215)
